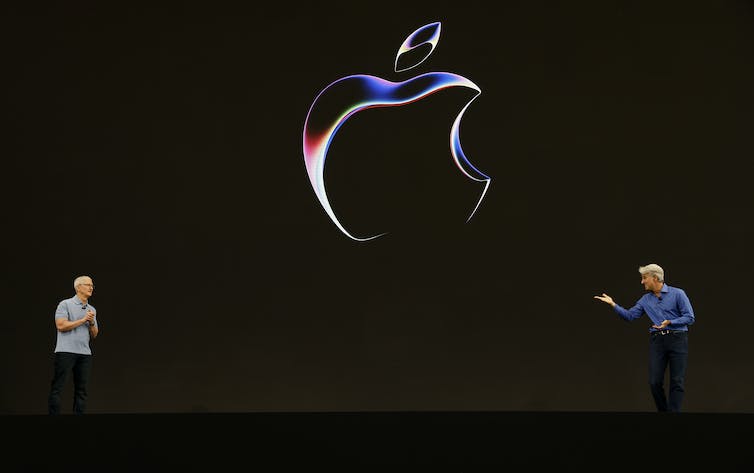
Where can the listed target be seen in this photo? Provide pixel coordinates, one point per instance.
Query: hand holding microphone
(90, 317)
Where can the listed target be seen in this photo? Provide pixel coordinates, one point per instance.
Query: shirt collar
(77, 300)
(664, 288)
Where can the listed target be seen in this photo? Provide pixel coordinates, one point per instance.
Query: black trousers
(81, 367)
(668, 350)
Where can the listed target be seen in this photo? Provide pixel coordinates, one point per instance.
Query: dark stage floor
(380, 441)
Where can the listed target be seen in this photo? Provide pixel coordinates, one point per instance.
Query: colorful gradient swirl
(364, 92)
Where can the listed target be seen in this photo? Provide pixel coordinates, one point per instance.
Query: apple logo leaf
(427, 35)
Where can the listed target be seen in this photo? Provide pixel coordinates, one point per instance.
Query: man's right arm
(61, 319)
(628, 314)
(65, 325)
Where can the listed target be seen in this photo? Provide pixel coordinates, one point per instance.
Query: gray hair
(653, 270)
(80, 280)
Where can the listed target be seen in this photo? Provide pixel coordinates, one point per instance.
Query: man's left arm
(93, 328)
(684, 308)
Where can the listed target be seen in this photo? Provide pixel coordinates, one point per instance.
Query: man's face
(649, 281)
(86, 287)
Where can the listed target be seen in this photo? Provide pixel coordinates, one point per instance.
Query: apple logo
(349, 95)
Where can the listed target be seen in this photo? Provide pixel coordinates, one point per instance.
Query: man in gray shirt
(76, 323)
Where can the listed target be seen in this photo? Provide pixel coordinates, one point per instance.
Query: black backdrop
(159, 150)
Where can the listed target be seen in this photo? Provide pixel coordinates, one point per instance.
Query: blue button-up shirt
(673, 305)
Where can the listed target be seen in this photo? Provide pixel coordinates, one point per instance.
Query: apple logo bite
(349, 95)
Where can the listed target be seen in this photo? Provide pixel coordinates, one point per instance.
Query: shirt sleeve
(61, 311)
(684, 308)
(629, 314)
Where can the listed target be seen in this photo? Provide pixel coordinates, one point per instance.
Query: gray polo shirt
(76, 340)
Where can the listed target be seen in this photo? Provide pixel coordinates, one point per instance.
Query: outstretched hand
(606, 299)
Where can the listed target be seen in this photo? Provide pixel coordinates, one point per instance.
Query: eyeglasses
(87, 284)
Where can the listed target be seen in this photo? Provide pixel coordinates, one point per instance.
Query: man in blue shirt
(670, 311)
(76, 324)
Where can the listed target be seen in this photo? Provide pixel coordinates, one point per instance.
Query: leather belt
(665, 332)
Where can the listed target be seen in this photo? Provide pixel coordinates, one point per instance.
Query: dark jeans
(670, 349)
(81, 366)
